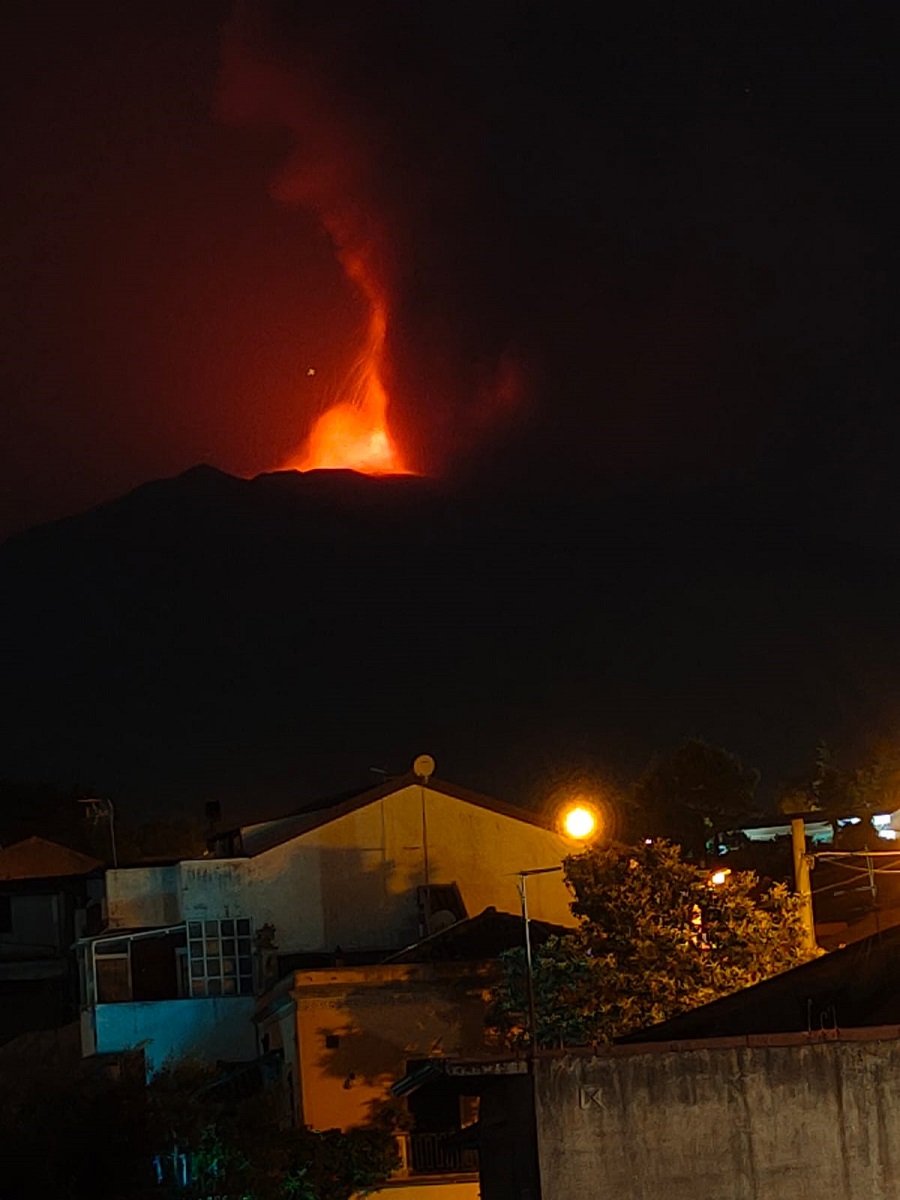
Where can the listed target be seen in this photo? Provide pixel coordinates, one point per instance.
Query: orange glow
(353, 434)
(347, 436)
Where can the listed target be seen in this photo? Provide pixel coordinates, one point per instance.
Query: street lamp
(579, 821)
(96, 808)
(529, 968)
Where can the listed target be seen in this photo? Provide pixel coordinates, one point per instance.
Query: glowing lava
(348, 436)
(353, 434)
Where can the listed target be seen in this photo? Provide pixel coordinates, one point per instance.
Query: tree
(825, 787)
(697, 787)
(190, 1133)
(838, 791)
(222, 1140)
(655, 938)
(67, 1128)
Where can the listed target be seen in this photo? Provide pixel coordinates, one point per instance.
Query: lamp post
(102, 807)
(529, 967)
(579, 822)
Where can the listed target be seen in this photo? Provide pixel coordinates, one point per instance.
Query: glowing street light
(719, 877)
(580, 822)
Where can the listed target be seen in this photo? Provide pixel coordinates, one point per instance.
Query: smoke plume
(581, 236)
(390, 153)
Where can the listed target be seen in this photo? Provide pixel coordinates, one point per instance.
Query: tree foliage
(836, 789)
(683, 796)
(88, 1135)
(70, 1133)
(239, 1146)
(655, 938)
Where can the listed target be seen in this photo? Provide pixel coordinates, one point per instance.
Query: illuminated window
(220, 958)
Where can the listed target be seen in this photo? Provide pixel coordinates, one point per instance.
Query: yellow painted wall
(352, 882)
(419, 1190)
(383, 1016)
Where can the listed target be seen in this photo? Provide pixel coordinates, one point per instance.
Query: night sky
(650, 252)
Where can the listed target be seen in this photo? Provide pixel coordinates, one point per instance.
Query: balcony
(423, 1154)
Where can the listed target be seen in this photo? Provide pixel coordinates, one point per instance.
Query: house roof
(852, 987)
(38, 858)
(256, 839)
(474, 939)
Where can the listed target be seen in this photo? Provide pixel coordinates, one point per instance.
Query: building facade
(188, 946)
(347, 1036)
(48, 895)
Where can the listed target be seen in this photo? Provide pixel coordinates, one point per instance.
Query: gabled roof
(485, 936)
(850, 988)
(256, 839)
(38, 858)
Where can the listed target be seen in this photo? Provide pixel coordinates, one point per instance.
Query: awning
(412, 1081)
(121, 935)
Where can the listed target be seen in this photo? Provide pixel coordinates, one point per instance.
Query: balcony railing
(435, 1154)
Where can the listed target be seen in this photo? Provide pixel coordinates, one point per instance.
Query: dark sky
(648, 252)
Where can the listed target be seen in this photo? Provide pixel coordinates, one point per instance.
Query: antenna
(423, 767)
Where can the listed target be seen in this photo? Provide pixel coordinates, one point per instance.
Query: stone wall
(790, 1118)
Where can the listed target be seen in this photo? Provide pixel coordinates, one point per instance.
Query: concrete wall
(143, 897)
(801, 1121)
(211, 1028)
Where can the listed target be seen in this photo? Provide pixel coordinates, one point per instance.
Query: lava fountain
(353, 434)
(273, 75)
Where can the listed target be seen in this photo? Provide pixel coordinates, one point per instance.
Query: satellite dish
(441, 920)
(423, 767)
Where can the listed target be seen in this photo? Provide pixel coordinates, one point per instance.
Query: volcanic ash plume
(378, 156)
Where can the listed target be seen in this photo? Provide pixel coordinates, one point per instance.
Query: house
(47, 893)
(347, 1034)
(855, 884)
(190, 945)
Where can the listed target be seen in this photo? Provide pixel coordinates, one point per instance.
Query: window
(113, 969)
(181, 972)
(220, 958)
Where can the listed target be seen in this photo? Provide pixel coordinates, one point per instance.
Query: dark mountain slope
(264, 641)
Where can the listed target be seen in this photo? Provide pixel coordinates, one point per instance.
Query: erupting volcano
(353, 433)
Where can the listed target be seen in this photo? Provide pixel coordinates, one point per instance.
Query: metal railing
(435, 1154)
